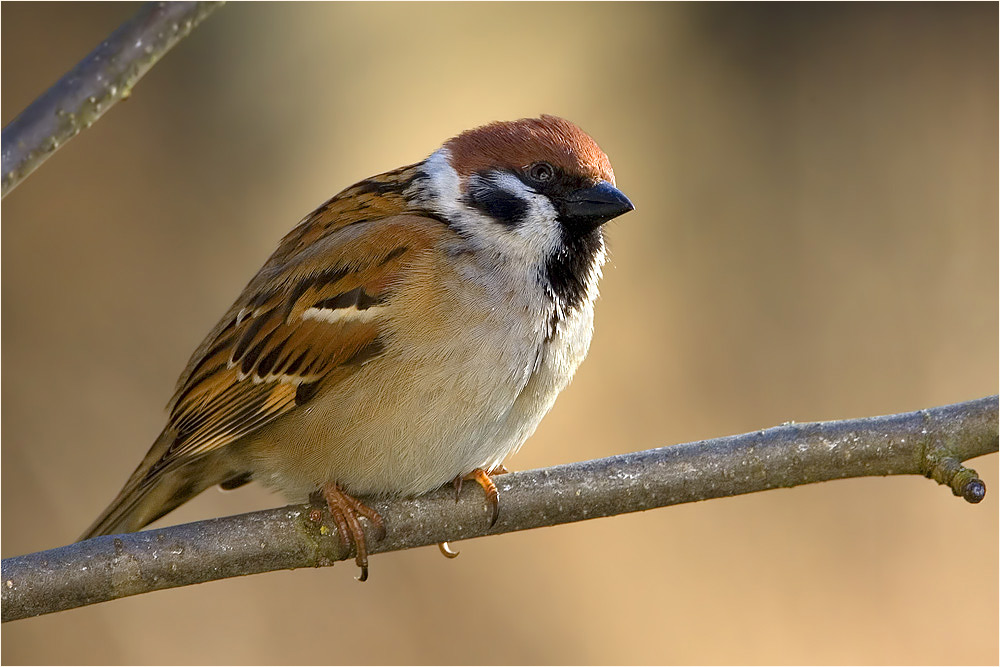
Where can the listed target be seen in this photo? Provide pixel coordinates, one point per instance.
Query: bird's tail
(150, 493)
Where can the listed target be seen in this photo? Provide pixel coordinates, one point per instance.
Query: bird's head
(535, 191)
(535, 182)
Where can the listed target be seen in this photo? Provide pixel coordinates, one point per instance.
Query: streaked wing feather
(276, 347)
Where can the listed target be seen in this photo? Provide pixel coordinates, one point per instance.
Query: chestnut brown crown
(517, 144)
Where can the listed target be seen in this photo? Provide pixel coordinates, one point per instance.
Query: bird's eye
(541, 172)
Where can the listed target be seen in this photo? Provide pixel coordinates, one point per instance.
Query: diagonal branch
(100, 80)
(931, 442)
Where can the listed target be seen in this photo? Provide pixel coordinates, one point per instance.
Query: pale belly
(405, 424)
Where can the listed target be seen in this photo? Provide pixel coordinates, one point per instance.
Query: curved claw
(447, 551)
(345, 510)
(482, 478)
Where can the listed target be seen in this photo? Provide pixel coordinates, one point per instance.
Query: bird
(411, 331)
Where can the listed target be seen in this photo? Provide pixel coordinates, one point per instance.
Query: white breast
(470, 369)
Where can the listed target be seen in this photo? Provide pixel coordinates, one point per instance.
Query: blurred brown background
(816, 238)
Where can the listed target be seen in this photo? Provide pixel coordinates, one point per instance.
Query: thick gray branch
(105, 76)
(929, 442)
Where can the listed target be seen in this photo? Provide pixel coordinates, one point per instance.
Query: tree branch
(931, 442)
(104, 77)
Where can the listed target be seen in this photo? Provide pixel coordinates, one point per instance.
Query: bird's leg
(499, 469)
(483, 479)
(346, 510)
(490, 489)
(492, 497)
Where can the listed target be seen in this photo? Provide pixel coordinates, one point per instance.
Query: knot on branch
(963, 481)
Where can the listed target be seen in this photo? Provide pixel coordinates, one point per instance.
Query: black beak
(592, 207)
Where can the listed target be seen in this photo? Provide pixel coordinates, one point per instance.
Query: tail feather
(149, 494)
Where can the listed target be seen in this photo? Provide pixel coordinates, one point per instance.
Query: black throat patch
(569, 268)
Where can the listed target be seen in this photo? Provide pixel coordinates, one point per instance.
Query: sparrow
(411, 331)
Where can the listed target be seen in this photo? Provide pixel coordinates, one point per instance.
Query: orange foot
(489, 488)
(492, 496)
(346, 510)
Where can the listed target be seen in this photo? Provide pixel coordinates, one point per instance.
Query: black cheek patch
(504, 207)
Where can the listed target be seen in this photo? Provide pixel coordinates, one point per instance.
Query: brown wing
(312, 315)
(278, 342)
(312, 322)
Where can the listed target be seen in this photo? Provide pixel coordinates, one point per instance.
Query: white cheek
(530, 242)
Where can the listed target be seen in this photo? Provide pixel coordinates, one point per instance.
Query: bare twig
(928, 442)
(104, 77)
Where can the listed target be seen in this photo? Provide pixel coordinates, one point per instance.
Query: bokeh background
(816, 238)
